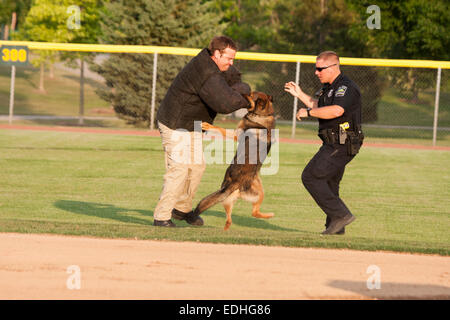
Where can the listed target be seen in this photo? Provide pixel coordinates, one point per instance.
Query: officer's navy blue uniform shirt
(345, 93)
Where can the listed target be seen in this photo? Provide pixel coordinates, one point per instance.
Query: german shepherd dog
(242, 179)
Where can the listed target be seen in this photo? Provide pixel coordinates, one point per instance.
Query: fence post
(81, 106)
(11, 94)
(294, 119)
(155, 69)
(436, 105)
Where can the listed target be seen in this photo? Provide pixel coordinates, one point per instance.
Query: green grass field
(108, 185)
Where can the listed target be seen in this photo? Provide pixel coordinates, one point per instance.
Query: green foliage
(46, 21)
(88, 32)
(52, 21)
(253, 24)
(7, 7)
(302, 27)
(410, 29)
(149, 22)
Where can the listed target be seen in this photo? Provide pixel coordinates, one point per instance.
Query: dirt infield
(52, 267)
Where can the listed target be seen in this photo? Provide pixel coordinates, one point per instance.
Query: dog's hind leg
(258, 188)
(228, 205)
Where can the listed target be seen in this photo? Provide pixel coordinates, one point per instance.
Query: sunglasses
(322, 68)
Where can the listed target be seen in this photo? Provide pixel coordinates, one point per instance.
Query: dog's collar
(254, 118)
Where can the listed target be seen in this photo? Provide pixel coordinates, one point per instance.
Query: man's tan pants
(184, 169)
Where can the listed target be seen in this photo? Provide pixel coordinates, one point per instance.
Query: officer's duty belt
(329, 136)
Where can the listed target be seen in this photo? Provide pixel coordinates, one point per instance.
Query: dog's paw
(261, 215)
(227, 226)
(207, 126)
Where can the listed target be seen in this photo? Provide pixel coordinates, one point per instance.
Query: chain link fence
(398, 103)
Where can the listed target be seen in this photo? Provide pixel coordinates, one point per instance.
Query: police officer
(338, 107)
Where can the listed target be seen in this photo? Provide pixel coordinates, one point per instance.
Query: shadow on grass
(103, 210)
(249, 221)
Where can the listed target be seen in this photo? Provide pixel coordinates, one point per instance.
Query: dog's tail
(212, 199)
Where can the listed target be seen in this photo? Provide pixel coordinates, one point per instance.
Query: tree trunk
(51, 71)
(13, 26)
(6, 34)
(41, 78)
(13, 21)
(81, 111)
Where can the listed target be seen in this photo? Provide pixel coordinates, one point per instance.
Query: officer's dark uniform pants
(321, 177)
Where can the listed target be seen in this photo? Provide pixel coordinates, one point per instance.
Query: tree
(304, 27)
(410, 29)
(46, 21)
(253, 24)
(12, 13)
(84, 30)
(185, 23)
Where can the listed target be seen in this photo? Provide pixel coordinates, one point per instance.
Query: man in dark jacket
(207, 85)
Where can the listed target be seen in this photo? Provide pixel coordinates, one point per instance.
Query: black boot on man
(337, 225)
(164, 223)
(189, 217)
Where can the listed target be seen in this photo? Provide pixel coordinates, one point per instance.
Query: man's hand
(292, 88)
(297, 92)
(302, 113)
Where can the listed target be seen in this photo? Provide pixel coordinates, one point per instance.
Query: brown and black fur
(242, 179)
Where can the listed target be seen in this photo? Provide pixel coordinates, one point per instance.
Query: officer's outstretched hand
(292, 88)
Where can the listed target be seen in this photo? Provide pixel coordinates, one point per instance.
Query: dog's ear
(271, 98)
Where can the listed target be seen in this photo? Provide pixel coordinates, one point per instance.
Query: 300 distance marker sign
(14, 55)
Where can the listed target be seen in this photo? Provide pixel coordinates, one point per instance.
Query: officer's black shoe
(338, 224)
(340, 232)
(189, 217)
(164, 223)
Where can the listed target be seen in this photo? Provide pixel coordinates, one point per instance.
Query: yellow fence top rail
(240, 55)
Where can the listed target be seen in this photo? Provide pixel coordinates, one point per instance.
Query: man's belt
(329, 136)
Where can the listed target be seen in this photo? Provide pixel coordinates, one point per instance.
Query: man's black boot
(190, 217)
(164, 223)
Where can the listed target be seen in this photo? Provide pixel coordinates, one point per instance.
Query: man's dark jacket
(199, 92)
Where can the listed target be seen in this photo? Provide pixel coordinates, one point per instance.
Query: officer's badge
(340, 92)
(330, 93)
(319, 93)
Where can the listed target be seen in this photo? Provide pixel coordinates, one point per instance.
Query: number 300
(14, 55)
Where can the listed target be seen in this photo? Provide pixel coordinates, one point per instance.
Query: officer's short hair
(326, 55)
(221, 43)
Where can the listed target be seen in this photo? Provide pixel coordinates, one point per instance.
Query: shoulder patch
(340, 92)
